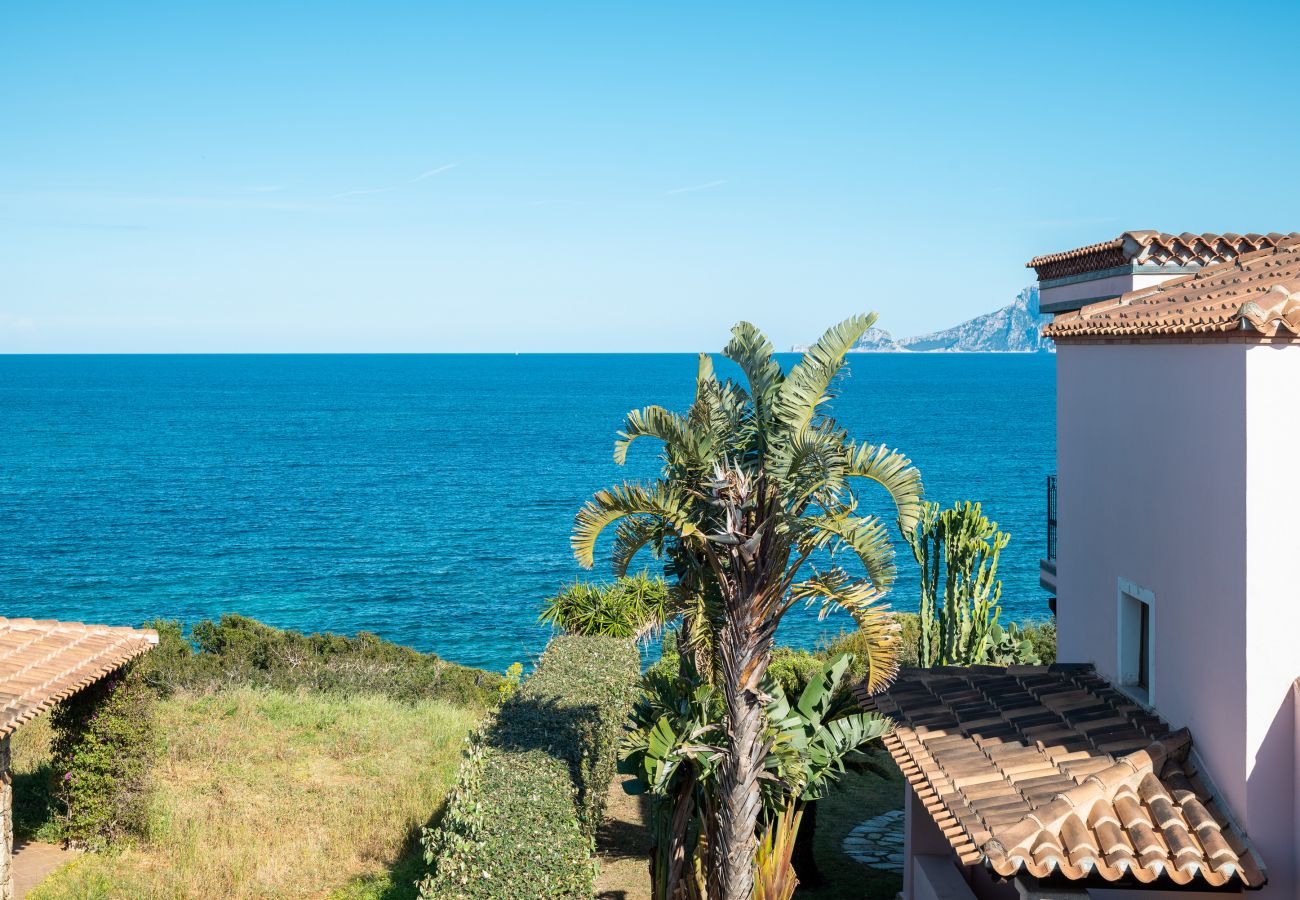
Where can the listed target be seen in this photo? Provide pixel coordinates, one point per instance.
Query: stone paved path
(33, 861)
(878, 842)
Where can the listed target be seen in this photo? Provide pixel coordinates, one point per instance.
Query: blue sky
(550, 177)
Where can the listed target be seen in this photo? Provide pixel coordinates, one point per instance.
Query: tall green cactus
(958, 549)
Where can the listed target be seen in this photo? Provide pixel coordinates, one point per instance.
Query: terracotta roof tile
(1153, 248)
(1051, 771)
(43, 662)
(1258, 292)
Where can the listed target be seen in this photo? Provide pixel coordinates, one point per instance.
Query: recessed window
(1137, 640)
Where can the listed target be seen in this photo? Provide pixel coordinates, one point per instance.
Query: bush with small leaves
(103, 747)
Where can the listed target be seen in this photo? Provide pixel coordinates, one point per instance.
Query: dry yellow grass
(268, 794)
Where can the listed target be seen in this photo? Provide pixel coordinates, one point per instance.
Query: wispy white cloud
(697, 187)
(383, 190)
(432, 172)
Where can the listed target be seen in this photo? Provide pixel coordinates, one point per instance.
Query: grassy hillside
(265, 792)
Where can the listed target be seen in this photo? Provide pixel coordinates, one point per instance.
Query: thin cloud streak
(432, 172)
(358, 193)
(696, 187)
(384, 190)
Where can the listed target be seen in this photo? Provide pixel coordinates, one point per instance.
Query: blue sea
(425, 498)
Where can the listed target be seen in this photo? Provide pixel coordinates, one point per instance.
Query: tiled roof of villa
(1257, 293)
(1153, 248)
(43, 662)
(1048, 770)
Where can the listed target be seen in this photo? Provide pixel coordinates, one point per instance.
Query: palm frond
(704, 374)
(631, 537)
(894, 472)
(808, 385)
(653, 422)
(881, 647)
(609, 506)
(750, 349)
(812, 462)
(865, 536)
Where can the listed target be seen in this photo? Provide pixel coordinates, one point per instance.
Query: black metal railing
(1051, 517)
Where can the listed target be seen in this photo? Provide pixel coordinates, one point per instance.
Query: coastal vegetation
(756, 479)
(632, 607)
(103, 744)
(237, 650)
(285, 765)
(522, 819)
(1040, 634)
(264, 792)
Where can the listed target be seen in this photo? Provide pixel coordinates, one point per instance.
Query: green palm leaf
(653, 422)
(811, 464)
(808, 385)
(894, 472)
(866, 537)
(750, 349)
(881, 647)
(609, 506)
(631, 537)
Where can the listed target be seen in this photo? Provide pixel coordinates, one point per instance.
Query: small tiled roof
(43, 662)
(1153, 248)
(1257, 292)
(1048, 770)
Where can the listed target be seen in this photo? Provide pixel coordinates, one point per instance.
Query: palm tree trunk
(745, 656)
(683, 812)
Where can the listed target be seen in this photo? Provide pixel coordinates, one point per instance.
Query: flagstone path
(878, 842)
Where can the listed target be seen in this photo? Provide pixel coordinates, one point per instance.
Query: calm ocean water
(425, 498)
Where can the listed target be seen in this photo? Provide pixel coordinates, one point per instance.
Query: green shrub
(629, 608)
(792, 669)
(1041, 635)
(669, 661)
(102, 749)
(522, 819)
(238, 651)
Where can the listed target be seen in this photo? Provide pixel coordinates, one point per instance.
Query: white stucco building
(1162, 755)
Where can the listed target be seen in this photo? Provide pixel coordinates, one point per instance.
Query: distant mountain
(1016, 328)
(875, 339)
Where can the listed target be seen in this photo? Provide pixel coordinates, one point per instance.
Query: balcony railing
(1051, 517)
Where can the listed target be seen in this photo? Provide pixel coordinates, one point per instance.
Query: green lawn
(856, 798)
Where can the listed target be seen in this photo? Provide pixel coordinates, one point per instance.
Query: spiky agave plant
(756, 478)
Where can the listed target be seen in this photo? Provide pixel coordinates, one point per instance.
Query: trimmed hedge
(522, 819)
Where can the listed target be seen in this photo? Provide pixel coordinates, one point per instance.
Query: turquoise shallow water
(425, 498)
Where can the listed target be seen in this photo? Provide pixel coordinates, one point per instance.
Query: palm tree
(755, 480)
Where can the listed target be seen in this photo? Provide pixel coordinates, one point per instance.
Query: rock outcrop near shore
(1015, 328)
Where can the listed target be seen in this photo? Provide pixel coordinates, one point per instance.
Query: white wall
(1273, 621)
(1177, 470)
(921, 838)
(1151, 487)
